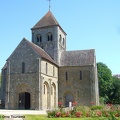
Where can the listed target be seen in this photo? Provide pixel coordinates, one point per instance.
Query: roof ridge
(40, 51)
(79, 50)
(34, 44)
(47, 20)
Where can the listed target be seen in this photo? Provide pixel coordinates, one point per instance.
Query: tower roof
(47, 20)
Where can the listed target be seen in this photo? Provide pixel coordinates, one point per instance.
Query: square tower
(50, 36)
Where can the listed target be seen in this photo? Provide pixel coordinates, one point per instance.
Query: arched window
(23, 67)
(63, 41)
(49, 36)
(80, 75)
(66, 75)
(51, 90)
(39, 38)
(44, 89)
(60, 38)
(46, 68)
(53, 70)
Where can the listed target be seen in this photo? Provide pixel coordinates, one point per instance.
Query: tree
(115, 96)
(105, 81)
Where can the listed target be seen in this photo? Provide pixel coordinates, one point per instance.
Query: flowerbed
(111, 112)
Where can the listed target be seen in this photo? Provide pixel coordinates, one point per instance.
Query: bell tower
(50, 36)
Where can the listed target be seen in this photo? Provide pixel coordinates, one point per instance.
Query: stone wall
(53, 47)
(18, 82)
(49, 84)
(75, 89)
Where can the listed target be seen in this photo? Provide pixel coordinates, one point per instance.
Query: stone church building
(40, 73)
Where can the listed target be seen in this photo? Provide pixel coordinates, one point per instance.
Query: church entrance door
(24, 100)
(68, 98)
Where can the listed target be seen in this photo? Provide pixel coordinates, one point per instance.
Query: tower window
(53, 70)
(66, 75)
(46, 68)
(23, 67)
(50, 37)
(63, 41)
(80, 75)
(60, 39)
(39, 38)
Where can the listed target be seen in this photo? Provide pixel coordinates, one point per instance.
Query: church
(41, 72)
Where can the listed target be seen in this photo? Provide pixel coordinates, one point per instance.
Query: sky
(89, 24)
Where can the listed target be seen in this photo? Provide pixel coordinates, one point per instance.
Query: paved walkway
(19, 114)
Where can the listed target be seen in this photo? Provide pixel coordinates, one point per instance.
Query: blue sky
(89, 24)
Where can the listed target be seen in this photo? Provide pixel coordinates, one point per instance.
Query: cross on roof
(49, 4)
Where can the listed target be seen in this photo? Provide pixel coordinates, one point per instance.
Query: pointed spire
(47, 20)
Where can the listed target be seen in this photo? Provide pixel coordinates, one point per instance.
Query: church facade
(41, 73)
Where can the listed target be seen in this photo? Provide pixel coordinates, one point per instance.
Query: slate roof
(40, 51)
(5, 66)
(47, 21)
(77, 58)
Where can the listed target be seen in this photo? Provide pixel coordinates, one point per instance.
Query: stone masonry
(39, 74)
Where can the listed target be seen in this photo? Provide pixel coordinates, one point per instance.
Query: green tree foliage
(109, 86)
(105, 81)
(115, 96)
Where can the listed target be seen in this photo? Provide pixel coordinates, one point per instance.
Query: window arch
(44, 88)
(46, 68)
(39, 38)
(80, 75)
(49, 36)
(23, 67)
(66, 75)
(60, 38)
(63, 41)
(53, 71)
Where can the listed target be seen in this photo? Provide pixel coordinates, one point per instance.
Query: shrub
(51, 114)
(99, 113)
(96, 107)
(58, 114)
(78, 114)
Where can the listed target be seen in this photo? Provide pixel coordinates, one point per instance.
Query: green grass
(1, 117)
(43, 117)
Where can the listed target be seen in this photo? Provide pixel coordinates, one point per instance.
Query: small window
(63, 41)
(39, 38)
(23, 67)
(53, 71)
(50, 37)
(46, 67)
(66, 75)
(60, 39)
(51, 90)
(80, 75)
(44, 89)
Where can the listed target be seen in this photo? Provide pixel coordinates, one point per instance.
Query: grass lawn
(1, 117)
(42, 117)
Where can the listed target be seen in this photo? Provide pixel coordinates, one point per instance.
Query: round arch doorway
(24, 100)
(68, 98)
